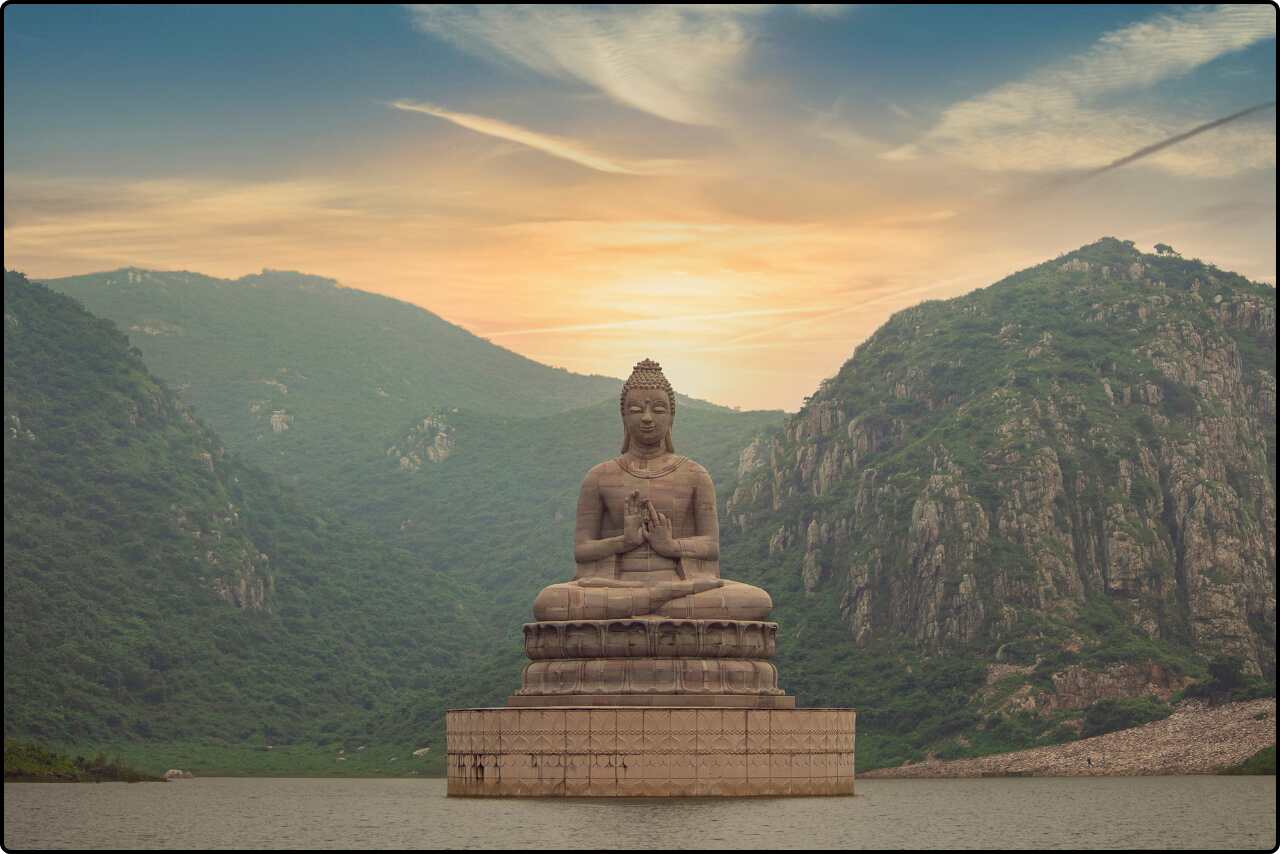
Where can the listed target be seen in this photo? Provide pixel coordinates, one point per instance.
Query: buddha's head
(648, 408)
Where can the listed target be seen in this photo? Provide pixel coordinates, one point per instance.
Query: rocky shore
(1195, 739)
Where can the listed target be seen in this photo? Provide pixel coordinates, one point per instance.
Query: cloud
(825, 10)
(1051, 120)
(832, 126)
(913, 220)
(659, 323)
(144, 222)
(557, 146)
(900, 111)
(675, 62)
(1154, 148)
(903, 296)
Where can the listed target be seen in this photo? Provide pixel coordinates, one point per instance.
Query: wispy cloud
(144, 222)
(1052, 119)
(557, 146)
(1154, 148)
(661, 323)
(675, 62)
(825, 10)
(832, 125)
(901, 296)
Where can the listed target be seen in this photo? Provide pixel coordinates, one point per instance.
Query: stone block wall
(650, 752)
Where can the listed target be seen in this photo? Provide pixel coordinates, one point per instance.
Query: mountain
(157, 587)
(1051, 491)
(311, 379)
(1043, 509)
(464, 453)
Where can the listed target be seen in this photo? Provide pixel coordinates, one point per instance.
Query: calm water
(1143, 812)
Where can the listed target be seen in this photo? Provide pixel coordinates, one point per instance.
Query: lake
(1060, 812)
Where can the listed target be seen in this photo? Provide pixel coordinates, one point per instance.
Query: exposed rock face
(430, 440)
(1100, 427)
(244, 587)
(1079, 688)
(235, 571)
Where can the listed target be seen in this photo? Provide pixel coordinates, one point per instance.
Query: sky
(743, 193)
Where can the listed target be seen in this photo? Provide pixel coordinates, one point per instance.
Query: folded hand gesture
(632, 521)
(657, 531)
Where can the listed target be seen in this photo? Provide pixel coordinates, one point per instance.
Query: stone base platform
(719, 701)
(649, 752)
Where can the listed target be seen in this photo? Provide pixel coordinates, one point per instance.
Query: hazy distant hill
(379, 409)
(308, 377)
(1053, 491)
(441, 443)
(155, 587)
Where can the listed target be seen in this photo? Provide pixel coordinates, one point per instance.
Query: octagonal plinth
(650, 752)
(649, 676)
(650, 637)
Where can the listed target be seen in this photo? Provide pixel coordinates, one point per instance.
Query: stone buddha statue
(647, 539)
(648, 673)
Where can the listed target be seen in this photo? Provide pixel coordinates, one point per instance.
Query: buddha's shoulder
(608, 467)
(694, 468)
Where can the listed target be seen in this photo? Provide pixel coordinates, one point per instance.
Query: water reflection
(1144, 812)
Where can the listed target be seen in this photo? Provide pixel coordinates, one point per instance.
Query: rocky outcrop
(244, 586)
(431, 440)
(233, 568)
(1098, 429)
(1078, 687)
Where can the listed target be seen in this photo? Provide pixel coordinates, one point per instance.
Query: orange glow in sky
(589, 187)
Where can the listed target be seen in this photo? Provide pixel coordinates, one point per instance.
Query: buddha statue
(647, 538)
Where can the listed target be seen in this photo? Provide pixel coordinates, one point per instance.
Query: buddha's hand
(632, 522)
(657, 531)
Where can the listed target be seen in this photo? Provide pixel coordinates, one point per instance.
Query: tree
(1166, 249)
(1227, 682)
(1227, 673)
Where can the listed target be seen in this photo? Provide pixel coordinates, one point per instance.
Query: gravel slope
(1195, 739)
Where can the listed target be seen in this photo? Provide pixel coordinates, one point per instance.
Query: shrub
(1229, 683)
(1110, 715)
(1262, 762)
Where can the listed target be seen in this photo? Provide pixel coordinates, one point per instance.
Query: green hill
(1012, 506)
(311, 379)
(403, 544)
(440, 442)
(157, 588)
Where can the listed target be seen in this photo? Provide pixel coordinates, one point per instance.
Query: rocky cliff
(1006, 472)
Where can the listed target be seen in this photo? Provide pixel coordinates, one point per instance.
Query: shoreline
(1195, 739)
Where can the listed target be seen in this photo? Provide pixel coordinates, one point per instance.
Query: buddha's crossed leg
(698, 599)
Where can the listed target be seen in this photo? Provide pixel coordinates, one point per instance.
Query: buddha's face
(646, 415)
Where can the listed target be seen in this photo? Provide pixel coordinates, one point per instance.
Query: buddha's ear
(671, 447)
(626, 440)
